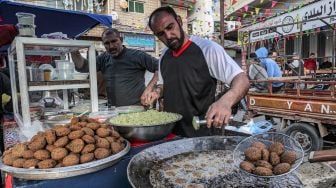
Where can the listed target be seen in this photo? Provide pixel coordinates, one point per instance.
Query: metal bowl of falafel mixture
(196, 162)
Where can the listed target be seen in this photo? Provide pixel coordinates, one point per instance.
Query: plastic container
(102, 116)
(26, 30)
(65, 74)
(64, 64)
(34, 74)
(25, 18)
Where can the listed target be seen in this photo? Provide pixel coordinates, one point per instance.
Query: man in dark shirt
(123, 70)
(188, 71)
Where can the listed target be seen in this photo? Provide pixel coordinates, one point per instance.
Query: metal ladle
(197, 123)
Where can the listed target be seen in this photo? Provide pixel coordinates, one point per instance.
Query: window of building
(135, 6)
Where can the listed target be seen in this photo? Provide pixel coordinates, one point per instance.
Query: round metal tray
(64, 172)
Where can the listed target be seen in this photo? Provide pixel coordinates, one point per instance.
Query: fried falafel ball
(102, 143)
(103, 132)
(116, 147)
(90, 120)
(262, 163)
(82, 123)
(247, 166)
(262, 171)
(288, 157)
(83, 118)
(93, 125)
(59, 153)
(50, 147)
(61, 142)
(76, 134)
(62, 131)
(89, 139)
(88, 131)
(50, 136)
(115, 134)
(274, 158)
(88, 148)
(74, 120)
(277, 147)
(101, 153)
(75, 146)
(71, 159)
(18, 163)
(87, 157)
(75, 127)
(30, 163)
(252, 154)
(48, 163)
(281, 168)
(18, 149)
(265, 154)
(37, 142)
(259, 145)
(111, 139)
(8, 159)
(28, 154)
(42, 154)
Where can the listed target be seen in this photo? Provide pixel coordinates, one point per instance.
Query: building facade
(265, 24)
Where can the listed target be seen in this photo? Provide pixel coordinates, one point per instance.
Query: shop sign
(142, 42)
(315, 10)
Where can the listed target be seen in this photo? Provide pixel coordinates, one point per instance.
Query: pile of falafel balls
(83, 140)
(268, 161)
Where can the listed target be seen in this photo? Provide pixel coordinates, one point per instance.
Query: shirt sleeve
(221, 65)
(148, 62)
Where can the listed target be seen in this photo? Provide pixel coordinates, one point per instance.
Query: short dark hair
(312, 53)
(166, 9)
(110, 31)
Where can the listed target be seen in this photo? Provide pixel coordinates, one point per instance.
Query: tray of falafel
(83, 146)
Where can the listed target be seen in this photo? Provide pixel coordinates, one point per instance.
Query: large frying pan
(140, 165)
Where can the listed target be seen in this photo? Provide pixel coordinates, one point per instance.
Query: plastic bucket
(25, 18)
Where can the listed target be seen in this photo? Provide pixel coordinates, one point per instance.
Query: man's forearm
(239, 87)
(153, 81)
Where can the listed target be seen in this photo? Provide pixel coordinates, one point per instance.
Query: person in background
(297, 65)
(273, 70)
(326, 63)
(257, 72)
(188, 72)
(310, 64)
(123, 69)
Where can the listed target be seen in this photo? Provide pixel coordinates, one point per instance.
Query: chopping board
(323, 155)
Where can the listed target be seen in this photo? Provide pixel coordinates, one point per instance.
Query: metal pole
(333, 51)
(221, 20)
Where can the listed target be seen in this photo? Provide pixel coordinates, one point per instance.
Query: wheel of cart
(306, 134)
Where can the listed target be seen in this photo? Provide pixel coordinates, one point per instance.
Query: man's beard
(176, 46)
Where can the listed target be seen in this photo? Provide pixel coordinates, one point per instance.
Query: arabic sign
(315, 10)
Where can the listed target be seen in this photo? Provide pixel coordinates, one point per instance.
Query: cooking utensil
(64, 172)
(145, 132)
(197, 123)
(139, 167)
(268, 138)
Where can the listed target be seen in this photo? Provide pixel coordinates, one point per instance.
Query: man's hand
(145, 95)
(152, 96)
(218, 114)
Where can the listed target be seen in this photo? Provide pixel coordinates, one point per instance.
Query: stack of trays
(26, 24)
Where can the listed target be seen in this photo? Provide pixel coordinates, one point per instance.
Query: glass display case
(47, 78)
